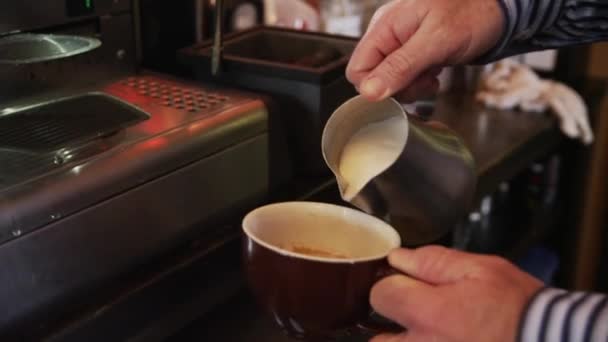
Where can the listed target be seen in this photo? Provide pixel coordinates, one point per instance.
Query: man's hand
(452, 296)
(409, 41)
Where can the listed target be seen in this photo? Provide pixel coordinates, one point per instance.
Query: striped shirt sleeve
(555, 315)
(532, 25)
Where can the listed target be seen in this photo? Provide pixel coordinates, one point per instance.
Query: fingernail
(374, 88)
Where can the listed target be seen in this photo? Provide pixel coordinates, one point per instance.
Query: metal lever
(218, 43)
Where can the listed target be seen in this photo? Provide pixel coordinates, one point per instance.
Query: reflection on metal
(34, 48)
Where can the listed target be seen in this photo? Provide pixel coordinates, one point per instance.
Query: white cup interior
(353, 235)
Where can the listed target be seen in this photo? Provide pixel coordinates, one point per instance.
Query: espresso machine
(122, 185)
(108, 167)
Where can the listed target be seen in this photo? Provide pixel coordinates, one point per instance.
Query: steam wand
(218, 43)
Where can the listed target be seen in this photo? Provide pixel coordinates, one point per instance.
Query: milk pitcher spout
(417, 175)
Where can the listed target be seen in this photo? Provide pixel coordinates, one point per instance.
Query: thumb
(404, 300)
(435, 264)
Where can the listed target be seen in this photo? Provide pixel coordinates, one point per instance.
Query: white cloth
(509, 84)
(295, 14)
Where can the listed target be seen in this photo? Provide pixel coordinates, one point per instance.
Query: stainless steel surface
(181, 118)
(64, 122)
(129, 196)
(78, 214)
(43, 137)
(218, 39)
(30, 48)
(33, 83)
(428, 188)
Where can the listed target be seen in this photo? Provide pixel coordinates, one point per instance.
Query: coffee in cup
(312, 265)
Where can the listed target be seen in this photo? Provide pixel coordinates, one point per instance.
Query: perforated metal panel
(177, 97)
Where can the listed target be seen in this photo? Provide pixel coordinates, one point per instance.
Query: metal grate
(175, 96)
(17, 166)
(60, 124)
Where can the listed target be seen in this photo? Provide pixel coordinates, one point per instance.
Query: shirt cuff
(509, 13)
(559, 315)
(523, 21)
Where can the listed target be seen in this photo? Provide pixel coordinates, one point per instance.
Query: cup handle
(375, 323)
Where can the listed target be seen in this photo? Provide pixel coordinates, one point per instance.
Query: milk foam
(369, 152)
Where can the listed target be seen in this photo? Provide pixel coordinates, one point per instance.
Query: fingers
(404, 300)
(405, 337)
(378, 42)
(380, 46)
(390, 338)
(400, 68)
(383, 10)
(435, 264)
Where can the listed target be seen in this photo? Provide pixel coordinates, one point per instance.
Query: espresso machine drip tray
(44, 137)
(51, 126)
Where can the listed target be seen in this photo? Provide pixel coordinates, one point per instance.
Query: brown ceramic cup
(312, 265)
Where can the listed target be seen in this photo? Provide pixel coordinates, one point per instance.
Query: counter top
(502, 142)
(245, 324)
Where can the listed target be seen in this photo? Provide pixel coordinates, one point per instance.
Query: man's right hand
(409, 41)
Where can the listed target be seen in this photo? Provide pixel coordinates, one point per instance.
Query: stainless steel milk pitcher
(426, 190)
